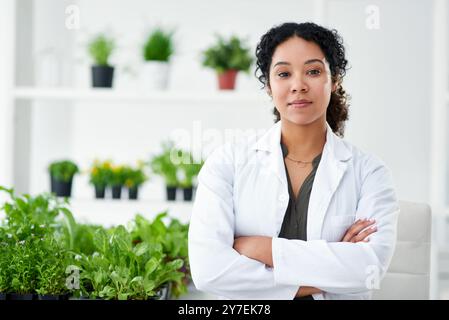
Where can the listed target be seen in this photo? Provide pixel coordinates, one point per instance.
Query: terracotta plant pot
(226, 80)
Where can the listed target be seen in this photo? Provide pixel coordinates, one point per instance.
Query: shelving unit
(114, 95)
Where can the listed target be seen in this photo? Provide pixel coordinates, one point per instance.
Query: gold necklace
(299, 162)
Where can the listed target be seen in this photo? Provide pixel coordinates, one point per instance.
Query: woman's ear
(335, 85)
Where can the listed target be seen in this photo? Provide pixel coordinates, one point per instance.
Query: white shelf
(108, 212)
(137, 96)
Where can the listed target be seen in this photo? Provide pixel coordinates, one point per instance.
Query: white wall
(7, 40)
(389, 80)
(390, 83)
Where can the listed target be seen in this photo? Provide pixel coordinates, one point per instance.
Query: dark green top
(294, 225)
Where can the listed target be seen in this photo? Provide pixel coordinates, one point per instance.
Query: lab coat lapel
(329, 174)
(273, 159)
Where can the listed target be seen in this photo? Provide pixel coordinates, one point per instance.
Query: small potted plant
(188, 172)
(61, 177)
(134, 178)
(35, 248)
(51, 264)
(119, 270)
(117, 181)
(100, 49)
(163, 165)
(227, 58)
(4, 262)
(157, 50)
(100, 174)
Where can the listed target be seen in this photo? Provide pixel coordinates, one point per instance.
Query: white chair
(408, 276)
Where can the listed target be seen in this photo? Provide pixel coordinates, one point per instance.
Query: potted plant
(188, 172)
(117, 180)
(100, 49)
(51, 264)
(35, 248)
(157, 51)
(227, 57)
(163, 165)
(61, 177)
(4, 262)
(134, 178)
(173, 238)
(99, 175)
(120, 270)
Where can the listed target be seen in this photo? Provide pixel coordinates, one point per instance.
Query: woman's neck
(303, 142)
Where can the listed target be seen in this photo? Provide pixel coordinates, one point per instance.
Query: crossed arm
(260, 247)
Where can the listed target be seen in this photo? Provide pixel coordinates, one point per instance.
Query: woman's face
(299, 71)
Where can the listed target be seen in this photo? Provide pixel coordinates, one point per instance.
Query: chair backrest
(408, 276)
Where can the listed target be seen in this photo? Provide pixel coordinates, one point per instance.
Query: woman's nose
(298, 84)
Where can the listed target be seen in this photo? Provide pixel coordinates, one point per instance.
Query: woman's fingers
(356, 228)
(362, 236)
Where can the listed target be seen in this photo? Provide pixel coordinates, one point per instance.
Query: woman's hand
(359, 231)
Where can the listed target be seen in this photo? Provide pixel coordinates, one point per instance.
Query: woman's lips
(299, 104)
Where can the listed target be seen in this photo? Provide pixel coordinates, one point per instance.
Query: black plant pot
(58, 297)
(3, 296)
(18, 296)
(188, 193)
(165, 292)
(61, 188)
(133, 193)
(171, 193)
(116, 192)
(47, 297)
(99, 192)
(102, 76)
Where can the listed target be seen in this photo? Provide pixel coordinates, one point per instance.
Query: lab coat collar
(270, 141)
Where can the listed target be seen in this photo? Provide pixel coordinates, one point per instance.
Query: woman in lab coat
(297, 213)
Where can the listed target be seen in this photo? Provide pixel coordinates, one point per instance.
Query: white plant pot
(155, 75)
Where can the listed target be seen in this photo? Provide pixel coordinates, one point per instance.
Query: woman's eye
(283, 74)
(314, 72)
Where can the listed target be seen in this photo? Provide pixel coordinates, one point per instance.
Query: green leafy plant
(118, 175)
(226, 55)
(134, 177)
(5, 281)
(189, 170)
(63, 170)
(173, 238)
(100, 49)
(51, 264)
(123, 271)
(158, 46)
(34, 243)
(163, 165)
(100, 173)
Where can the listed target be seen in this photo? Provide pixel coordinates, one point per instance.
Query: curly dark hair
(330, 43)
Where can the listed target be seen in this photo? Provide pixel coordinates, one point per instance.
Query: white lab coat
(243, 191)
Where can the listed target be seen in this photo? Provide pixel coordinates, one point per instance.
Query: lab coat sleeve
(344, 267)
(215, 266)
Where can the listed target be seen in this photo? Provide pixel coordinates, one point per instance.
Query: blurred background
(51, 110)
